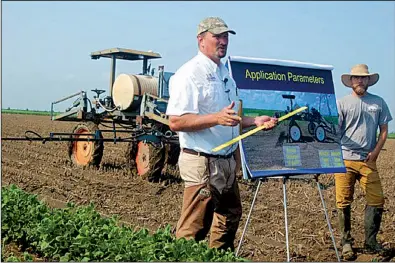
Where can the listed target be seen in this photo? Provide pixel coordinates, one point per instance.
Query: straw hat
(360, 70)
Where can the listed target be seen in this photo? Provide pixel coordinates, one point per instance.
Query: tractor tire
(150, 160)
(319, 133)
(333, 129)
(130, 156)
(295, 133)
(170, 168)
(172, 153)
(311, 127)
(84, 153)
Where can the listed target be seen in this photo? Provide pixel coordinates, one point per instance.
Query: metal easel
(284, 179)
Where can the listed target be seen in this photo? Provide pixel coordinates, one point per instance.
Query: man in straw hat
(360, 115)
(203, 110)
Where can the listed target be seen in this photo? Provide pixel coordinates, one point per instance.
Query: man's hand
(372, 156)
(269, 122)
(260, 120)
(227, 116)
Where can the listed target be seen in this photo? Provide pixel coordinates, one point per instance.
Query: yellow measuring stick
(238, 138)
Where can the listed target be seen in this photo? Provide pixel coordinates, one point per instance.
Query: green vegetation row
(27, 112)
(81, 234)
(257, 112)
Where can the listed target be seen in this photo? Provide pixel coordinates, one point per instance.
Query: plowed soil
(45, 169)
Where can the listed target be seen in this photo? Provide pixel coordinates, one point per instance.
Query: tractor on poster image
(135, 107)
(308, 125)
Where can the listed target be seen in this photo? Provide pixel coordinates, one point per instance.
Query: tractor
(136, 105)
(317, 126)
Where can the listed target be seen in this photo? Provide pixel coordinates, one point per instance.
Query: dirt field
(45, 169)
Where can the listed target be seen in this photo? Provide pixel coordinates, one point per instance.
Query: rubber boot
(373, 217)
(345, 227)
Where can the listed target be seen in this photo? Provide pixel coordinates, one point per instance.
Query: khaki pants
(368, 177)
(211, 200)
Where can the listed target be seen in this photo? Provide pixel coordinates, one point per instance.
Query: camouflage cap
(214, 25)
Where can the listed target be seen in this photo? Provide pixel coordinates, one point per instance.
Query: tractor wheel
(294, 133)
(172, 153)
(311, 127)
(86, 153)
(149, 160)
(333, 128)
(130, 156)
(170, 169)
(320, 133)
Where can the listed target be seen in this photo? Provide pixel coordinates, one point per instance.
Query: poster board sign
(308, 142)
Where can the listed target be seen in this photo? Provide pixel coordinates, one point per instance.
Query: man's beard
(360, 89)
(221, 55)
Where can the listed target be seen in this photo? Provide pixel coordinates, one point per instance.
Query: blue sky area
(46, 46)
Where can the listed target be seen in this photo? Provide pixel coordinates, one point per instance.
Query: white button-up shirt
(201, 87)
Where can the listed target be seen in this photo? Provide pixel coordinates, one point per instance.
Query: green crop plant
(82, 234)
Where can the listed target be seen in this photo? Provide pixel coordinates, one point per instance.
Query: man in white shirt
(203, 110)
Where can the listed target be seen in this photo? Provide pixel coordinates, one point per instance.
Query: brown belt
(190, 151)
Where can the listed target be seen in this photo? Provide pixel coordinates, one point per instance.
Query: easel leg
(327, 218)
(248, 218)
(286, 216)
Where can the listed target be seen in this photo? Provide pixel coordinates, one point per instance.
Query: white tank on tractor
(128, 90)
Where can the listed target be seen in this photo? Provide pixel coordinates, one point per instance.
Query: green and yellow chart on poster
(292, 156)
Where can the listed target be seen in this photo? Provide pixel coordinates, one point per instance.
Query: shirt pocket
(212, 101)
